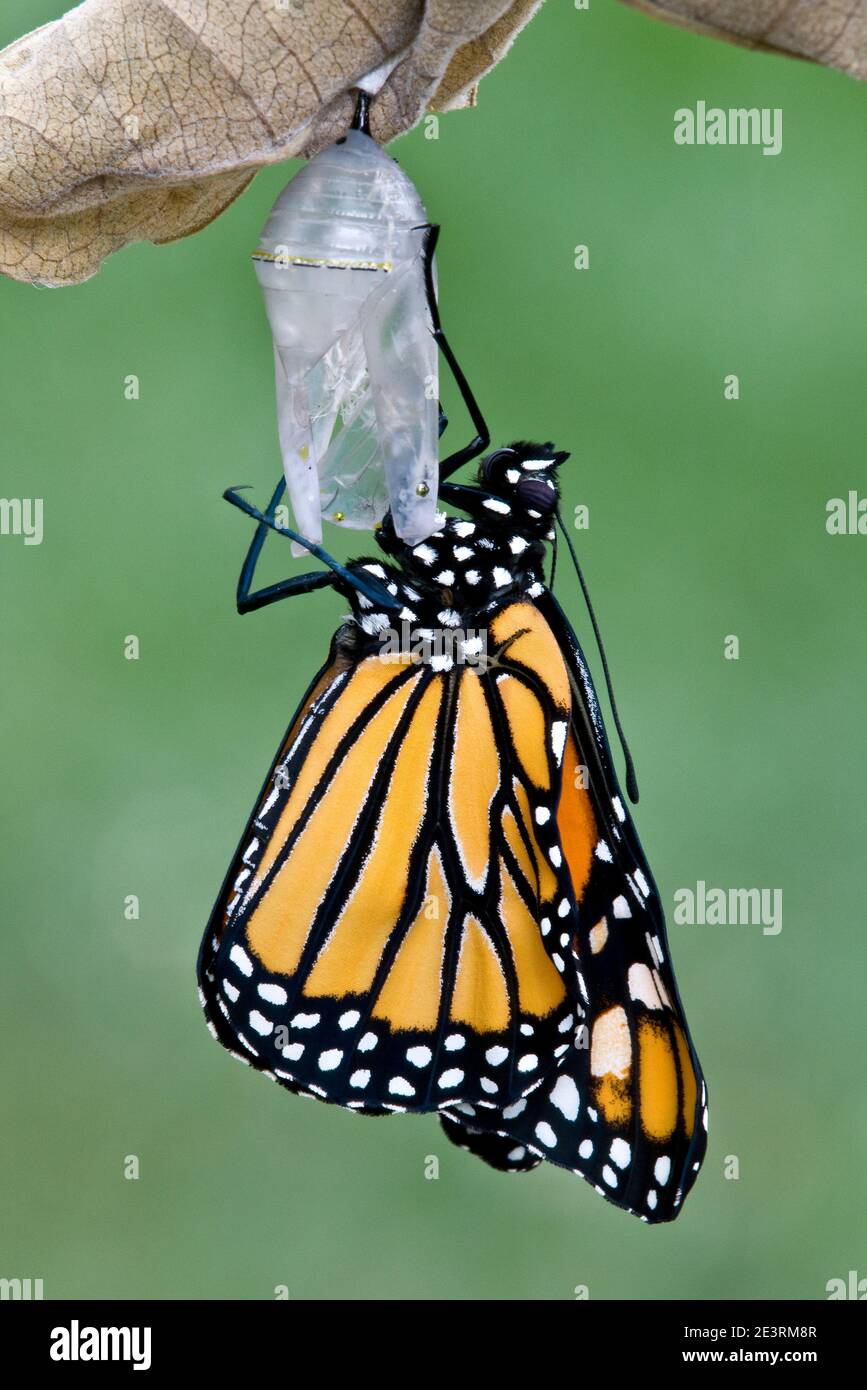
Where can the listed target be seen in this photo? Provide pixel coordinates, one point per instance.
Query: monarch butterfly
(440, 902)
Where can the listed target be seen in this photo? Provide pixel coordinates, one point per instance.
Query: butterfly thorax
(449, 587)
(451, 584)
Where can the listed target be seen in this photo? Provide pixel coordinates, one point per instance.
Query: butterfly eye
(538, 494)
(494, 466)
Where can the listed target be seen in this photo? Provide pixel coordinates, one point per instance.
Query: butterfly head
(524, 474)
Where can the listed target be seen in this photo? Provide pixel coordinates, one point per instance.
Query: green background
(707, 518)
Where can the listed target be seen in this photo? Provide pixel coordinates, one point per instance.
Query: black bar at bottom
(253, 1338)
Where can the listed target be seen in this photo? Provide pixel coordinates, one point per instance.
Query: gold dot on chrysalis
(339, 516)
(422, 490)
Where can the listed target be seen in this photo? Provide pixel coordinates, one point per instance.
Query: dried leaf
(833, 32)
(130, 120)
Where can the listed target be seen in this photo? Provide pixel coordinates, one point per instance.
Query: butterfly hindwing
(624, 1105)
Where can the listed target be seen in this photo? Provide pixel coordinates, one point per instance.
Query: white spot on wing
(451, 1078)
(598, 936)
(643, 987)
(275, 994)
(662, 1170)
(419, 1056)
(511, 1112)
(610, 1045)
(238, 956)
(565, 1097)
(545, 1134)
(399, 1086)
(620, 1152)
(558, 738)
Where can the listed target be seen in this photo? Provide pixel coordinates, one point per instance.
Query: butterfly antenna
(631, 780)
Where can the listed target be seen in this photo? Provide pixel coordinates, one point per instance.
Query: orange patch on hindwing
(576, 822)
(688, 1079)
(658, 1095)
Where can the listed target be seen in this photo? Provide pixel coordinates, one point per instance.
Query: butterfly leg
(482, 437)
(471, 500)
(249, 599)
(299, 584)
(339, 576)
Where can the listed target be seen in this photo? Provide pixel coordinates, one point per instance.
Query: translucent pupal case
(341, 265)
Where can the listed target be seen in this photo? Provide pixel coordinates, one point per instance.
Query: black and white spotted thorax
(471, 565)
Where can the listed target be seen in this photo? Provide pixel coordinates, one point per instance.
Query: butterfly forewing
(388, 940)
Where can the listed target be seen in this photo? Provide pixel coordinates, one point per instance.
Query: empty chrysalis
(341, 265)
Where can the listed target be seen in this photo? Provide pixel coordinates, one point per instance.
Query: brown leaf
(833, 32)
(130, 120)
